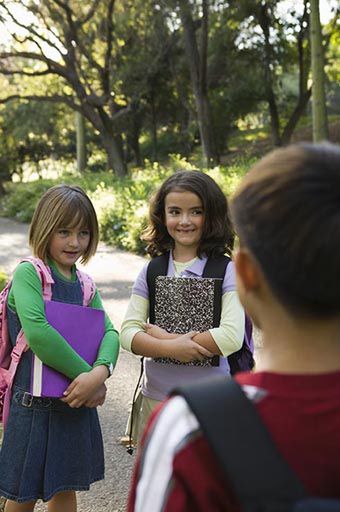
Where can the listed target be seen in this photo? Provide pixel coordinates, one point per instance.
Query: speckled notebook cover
(184, 304)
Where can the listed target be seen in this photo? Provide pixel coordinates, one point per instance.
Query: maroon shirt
(302, 414)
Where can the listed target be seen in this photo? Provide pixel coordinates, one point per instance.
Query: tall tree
(281, 48)
(197, 60)
(320, 125)
(73, 41)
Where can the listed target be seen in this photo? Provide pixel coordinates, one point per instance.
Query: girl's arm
(230, 334)
(134, 338)
(52, 349)
(222, 340)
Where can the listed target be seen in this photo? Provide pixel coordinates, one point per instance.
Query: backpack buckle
(27, 399)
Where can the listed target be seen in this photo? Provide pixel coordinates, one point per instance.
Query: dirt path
(114, 272)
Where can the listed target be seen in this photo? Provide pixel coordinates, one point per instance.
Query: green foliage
(3, 279)
(124, 218)
(22, 199)
(121, 204)
(31, 132)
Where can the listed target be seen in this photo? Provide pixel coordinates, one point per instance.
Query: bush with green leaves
(121, 204)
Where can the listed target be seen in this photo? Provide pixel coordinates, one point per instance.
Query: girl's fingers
(70, 388)
(191, 334)
(75, 404)
(204, 351)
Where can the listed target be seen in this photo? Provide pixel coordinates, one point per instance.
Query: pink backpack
(10, 356)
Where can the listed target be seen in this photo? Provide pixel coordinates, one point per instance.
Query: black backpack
(260, 477)
(243, 359)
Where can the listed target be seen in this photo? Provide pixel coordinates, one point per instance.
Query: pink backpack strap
(16, 354)
(88, 287)
(44, 274)
(21, 344)
(4, 336)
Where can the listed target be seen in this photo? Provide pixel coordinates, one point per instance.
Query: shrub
(121, 204)
(21, 199)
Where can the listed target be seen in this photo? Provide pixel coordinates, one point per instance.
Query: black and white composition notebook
(184, 304)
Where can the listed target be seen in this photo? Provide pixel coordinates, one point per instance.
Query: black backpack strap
(158, 266)
(216, 268)
(243, 446)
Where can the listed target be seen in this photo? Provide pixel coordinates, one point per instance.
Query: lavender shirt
(159, 379)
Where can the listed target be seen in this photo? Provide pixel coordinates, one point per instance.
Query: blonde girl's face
(184, 219)
(67, 245)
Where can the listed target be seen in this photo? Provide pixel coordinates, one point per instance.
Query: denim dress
(48, 447)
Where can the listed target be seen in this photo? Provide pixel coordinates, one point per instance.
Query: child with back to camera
(189, 222)
(287, 216)
(53, 447)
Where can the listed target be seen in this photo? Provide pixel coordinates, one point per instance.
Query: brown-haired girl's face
(184, 219)
(67, 245)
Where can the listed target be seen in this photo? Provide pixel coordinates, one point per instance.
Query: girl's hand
(84, 386)
(156, 332)
(98, 398)
(185, 349)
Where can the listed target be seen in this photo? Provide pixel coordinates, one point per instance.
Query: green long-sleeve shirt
(25, 298)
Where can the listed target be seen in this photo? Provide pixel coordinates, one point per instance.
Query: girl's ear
(247, 270)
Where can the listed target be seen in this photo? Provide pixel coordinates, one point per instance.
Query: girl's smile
(184, 219)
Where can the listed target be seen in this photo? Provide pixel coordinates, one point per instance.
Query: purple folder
(83, 328)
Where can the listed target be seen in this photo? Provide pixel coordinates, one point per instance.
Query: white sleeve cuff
(135, 318)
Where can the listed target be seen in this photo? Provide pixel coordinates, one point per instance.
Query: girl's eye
(63, 232)
(84, 233)
(173, 212)
(197, 212)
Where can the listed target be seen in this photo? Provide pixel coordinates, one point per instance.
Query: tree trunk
(154, 127)
(198, 74)
(81, 143)
(133, 137)
(320, 128)
(264, 22)
(274, 115)
(112, 142)
(205, 127)
(114, 153)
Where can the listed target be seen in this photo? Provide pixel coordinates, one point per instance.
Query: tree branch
(31, 30)
(50, 29)
(71, 34)
(51, 64)
(33, 97)
(90, 13)
(4, 71)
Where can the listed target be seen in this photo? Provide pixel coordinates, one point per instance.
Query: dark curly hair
(218, 234)
(287, 213)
